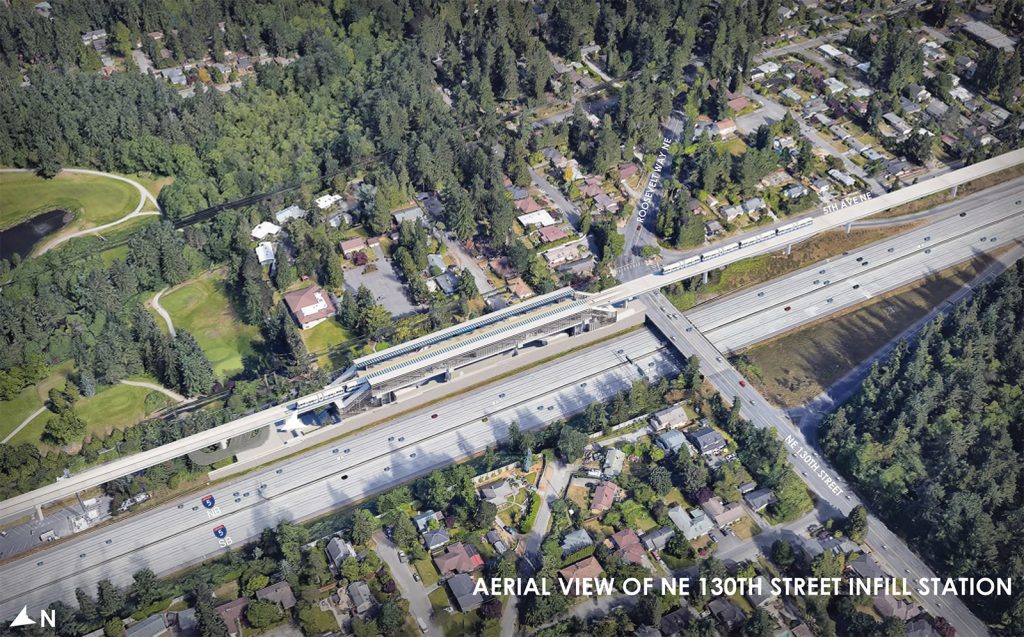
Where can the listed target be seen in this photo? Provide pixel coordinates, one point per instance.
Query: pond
(20, 239)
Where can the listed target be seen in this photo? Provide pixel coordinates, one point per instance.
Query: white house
(264, 228)
(289, 213)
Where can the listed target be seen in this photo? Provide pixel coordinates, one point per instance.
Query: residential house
(842, 177)
(794, 191)
(350, 246)
(658, 539)
(458, 558)
(989, 35)
(673, 416)
(628, 170)
(175, 75)
(856, 145)
(501, 267)
(628, 548)
(96, 39)
(288, 214)
(834, 86)
(759, 499)
(186, 621)
(871, 154)
(800, 630)
(447, 282)
(768, 68)
(310, 306)
(432, 203)
(528, 205)
(576, 540)
(721, 513)
(920, 627)
(737, 104)
(232, 613)
(978, 135)
(591, 187)
(841, 133)
(324, 202)
(605, 202)
(152, 626)
(537, 217)
(708, 441)
(753, 205)
(519, 288)
(436, 539)
(712, 228)
(792, 95)
(604, 497)
(693, 524)
(613, 461)
(731, 212)
(909, 106)
(898, 124)
(747, 487)
(498, 493)
(555, 156)
(866, 567)
(279, 593)
(727, 613)
(724, 128)
(764, 595)
(675, 623)
(43, 9)
(409, 213)
(263, 229)
(265, 252)
(338, 550)
(587, 568)
(495, 539)
(550, 234)
(463, 589)
(362, 599)
(422, 521)
(889, 606)
(672, 441)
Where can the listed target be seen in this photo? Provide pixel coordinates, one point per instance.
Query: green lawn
(12, 412)
(428, 574)
(202, 308)
(637, 517)
(115, 407)
(324, 336)
(438, 598)
(95, 200)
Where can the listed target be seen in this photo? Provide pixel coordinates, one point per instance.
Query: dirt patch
(799, 365)
(969, 188)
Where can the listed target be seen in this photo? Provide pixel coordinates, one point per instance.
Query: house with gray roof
(576, 540)
(759, 499)
(279, 593)
(613, 462)
(362, 599)
(693, 524)
(463, 589)
(708, 441)
(673, 441)
(727, 613)
(152, 626)
(338, 550)
(657, 539)
(436, 539)
(673, 416)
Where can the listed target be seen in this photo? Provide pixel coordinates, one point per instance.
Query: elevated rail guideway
(376, 377)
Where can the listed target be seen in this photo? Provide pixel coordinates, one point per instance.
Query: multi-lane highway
(183, 532)
(833, 495)
(990, 220)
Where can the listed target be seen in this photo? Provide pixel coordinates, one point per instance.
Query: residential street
(555, 195)
(415, 592)
(465, 260)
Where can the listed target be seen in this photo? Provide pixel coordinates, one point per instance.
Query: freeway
(821, 221)
(991, 220)
(350, 470)
(833, 496)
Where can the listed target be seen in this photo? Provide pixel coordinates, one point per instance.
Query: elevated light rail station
(383, 377)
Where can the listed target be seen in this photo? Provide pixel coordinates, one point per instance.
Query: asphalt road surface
(833, 496)
(815, 292)
(181, 533)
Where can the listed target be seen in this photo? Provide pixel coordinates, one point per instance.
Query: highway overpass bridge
(382, 377)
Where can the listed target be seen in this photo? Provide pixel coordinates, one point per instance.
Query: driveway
(388, 289)
(464, 259)
(419, 603)
(571, 212)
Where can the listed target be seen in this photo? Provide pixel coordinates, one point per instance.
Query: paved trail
(163, 313)
(160, 388)
(144, 197)
(23, 423)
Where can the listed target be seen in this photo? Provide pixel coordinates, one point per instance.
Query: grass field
(766, 267)
(95, 200)
(798, 366)
(12, 412)
(202, 308)
(115, 407)
(326, 335)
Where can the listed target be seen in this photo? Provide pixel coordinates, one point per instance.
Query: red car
(743, 383)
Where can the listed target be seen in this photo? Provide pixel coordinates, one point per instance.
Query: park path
(163, 313)
(30, 418)
(144, 197)
(155, 387)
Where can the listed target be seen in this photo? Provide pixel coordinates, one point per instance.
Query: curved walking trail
(163, 313)
(144, 196)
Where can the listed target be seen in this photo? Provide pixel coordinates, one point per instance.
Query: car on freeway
(787, 308)
(743, 383)
(433, 415)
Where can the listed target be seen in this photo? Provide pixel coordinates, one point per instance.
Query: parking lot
(387, 288)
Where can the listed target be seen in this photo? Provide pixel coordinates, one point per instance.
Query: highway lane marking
(575, 383)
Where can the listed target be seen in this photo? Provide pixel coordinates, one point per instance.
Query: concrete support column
(704, 277)
(39, 512)
(223, 444)
(789, 248)
(955, 188)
